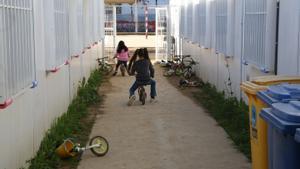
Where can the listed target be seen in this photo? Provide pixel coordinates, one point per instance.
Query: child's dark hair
(133, 58)
(121, 46)
(146, 54)
(143, 52)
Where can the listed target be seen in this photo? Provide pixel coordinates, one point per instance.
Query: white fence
(53, 44)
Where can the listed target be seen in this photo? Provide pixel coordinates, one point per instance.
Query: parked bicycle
(181, 66)
(104, 66)
(186, 68)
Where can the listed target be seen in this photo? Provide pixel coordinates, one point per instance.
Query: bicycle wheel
(187, 73)
(178, 71)
(104, 146)
(107, 69)
(122, 68)
(142, 95)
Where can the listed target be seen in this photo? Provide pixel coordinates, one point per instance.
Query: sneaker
(153, 100)
(115, 74)
(131, 100)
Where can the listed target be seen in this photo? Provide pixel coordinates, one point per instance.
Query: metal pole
(114, 26)
(136, 16)
(146, 21)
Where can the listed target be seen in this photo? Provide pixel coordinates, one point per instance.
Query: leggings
(119, 63)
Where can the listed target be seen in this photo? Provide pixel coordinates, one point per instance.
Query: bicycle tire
(142, 95)
(187, 74)
(103, 149)
(178, 71)
(122, 68)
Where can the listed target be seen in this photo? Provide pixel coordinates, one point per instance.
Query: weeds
(73, 124)
(230, 114)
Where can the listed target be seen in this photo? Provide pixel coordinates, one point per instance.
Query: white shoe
(153, 100)
(131, 100)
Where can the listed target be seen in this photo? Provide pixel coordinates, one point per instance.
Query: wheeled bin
(283, 121)
(258, 127)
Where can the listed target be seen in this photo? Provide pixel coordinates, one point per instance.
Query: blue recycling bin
(283, 134)
(280, 93)
(297, 135)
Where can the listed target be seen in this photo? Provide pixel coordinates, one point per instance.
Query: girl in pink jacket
(122, 55)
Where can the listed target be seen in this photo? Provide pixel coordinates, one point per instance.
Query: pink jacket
(123, 56)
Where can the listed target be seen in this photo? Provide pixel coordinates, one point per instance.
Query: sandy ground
(174, 133)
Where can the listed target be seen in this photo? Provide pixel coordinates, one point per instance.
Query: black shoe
(115, 74)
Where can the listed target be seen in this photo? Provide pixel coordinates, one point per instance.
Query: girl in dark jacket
(144, 74)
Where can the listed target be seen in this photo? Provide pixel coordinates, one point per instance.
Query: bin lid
(271, 80)
(297, 135)
(280, 93)
(281, 125)
(252, 88)
(266, 97)
(289, 112)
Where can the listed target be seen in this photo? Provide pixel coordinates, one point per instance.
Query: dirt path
(174, 133)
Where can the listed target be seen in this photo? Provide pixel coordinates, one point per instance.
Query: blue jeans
(136, 85)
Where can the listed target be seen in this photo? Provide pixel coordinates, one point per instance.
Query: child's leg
(125, 64)
(133, 89)
(117, 67)
(153, 88)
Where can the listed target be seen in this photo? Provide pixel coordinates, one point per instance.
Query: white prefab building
(236, 40)
(46, 48)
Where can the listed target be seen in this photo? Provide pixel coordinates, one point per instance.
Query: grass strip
(230, 114)
(75, 123)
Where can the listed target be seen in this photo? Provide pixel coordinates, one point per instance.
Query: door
(110, 31)
(162, 34)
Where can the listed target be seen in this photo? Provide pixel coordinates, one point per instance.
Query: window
(76, 27)
(195, 31)
(259, 44)
(189, 18)
(56, 21)
(221, 26)
(298, 53)
(89, 28)
(61, 19)
(16, 47)
(202, 22)
(182, 21)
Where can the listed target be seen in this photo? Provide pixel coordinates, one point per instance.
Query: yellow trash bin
(258, 127)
